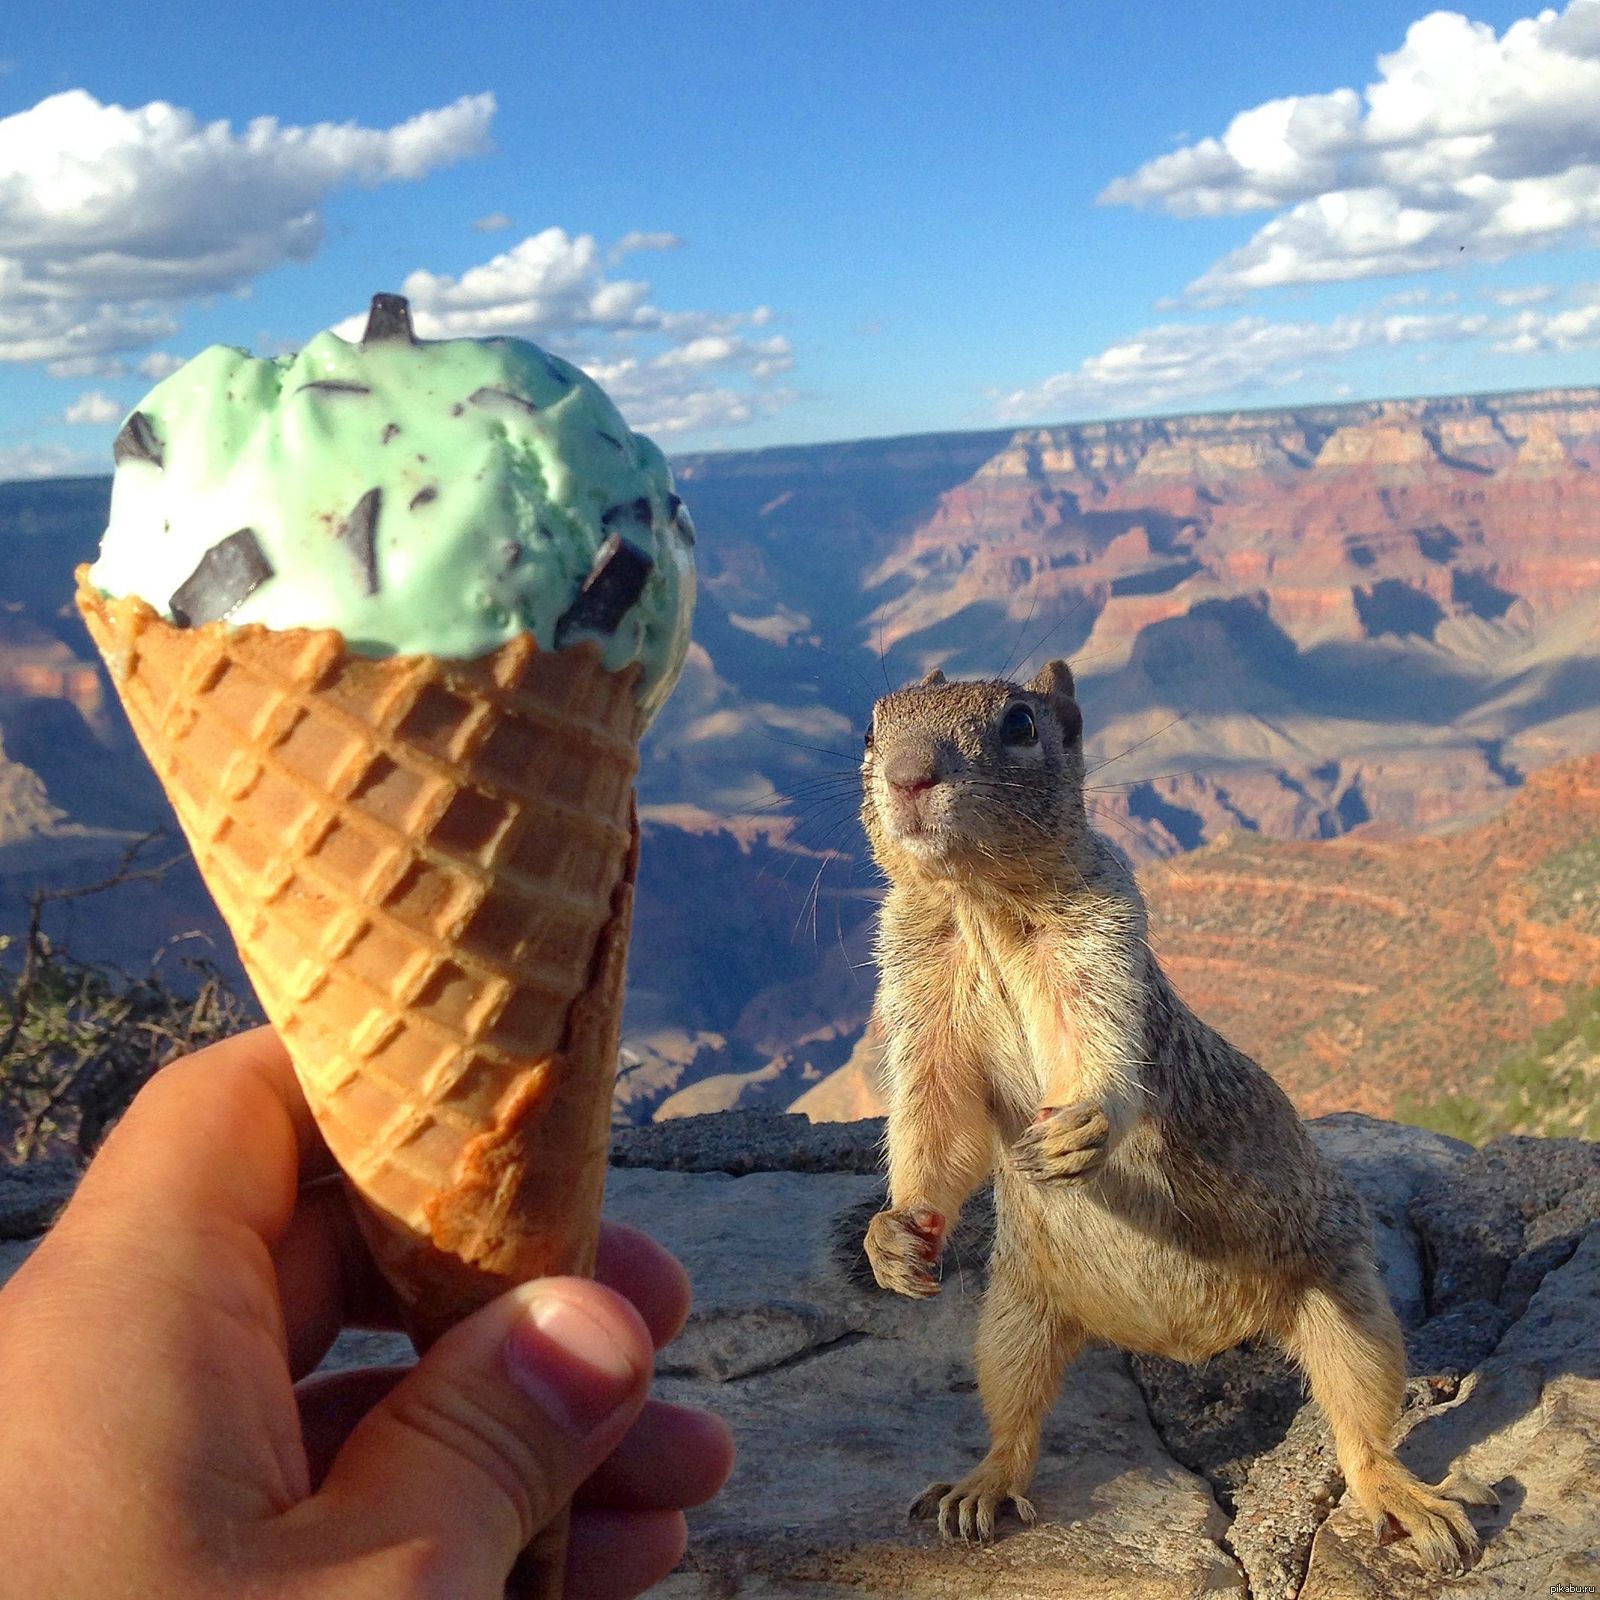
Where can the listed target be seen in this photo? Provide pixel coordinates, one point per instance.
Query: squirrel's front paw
(967, 1510)
(1063, 1144)
(903, 1247)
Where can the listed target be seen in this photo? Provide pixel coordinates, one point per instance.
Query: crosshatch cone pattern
(428, 868)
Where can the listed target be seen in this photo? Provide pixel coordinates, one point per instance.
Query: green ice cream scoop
(420, 496)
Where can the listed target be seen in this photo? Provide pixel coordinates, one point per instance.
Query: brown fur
(1153, 1186)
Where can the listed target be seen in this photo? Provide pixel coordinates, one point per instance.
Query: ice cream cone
(428, 868)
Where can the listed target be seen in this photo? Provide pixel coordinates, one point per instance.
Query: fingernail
(576, 1365)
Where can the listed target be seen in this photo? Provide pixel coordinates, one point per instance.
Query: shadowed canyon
(1319, 651)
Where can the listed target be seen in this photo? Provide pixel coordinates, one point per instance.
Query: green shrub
(1550, 1087)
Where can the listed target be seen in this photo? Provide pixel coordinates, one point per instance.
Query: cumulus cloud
(1469, 143)
(111, 217)
(494, 222)
(549, 281)
(668, 370)
(94, 406)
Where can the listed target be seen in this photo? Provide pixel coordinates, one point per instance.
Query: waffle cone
(428, 868)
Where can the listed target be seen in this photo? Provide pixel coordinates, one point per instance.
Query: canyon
(1328, 643)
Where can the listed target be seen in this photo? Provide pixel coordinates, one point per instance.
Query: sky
(788, 221)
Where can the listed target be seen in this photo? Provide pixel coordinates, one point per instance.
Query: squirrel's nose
(912, 773)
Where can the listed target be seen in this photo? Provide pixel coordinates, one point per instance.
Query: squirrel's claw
(1432, 1517)
(967, 1510)
(903, 1248)
(1063, 1144)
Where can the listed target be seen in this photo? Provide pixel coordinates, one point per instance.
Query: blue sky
(771, 222)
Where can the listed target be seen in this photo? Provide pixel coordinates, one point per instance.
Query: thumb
(446, 1480)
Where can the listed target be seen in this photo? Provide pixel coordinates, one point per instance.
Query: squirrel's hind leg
(1348, 1341)
(1023, 1347)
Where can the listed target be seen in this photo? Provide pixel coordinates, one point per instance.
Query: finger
(332, 1404)
(161, 1265)
(487, 1438)
(615, 1555)
(672, 1458)
(652, 1277)
(223, 1134)
(327, 1279)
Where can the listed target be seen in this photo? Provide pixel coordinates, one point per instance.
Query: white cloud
(1532, 294)
(1175, 364)
(494, 222)
(1469, 144)
(660, 398)
(111, 217)
(77, 340)
(159, 364)
(631, 242)
(1421, 297)
(1575, 327)
(547, 282)
(762, 358)
(95, 406)
(657, 364)
(47, 461)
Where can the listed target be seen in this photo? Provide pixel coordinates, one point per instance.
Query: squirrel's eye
(1017, 726)
(868, 741)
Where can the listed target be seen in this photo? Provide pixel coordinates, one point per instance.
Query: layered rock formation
(1371, 971)
(1293, 623)
(1156, 1481)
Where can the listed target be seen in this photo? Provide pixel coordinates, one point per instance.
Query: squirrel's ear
(1054, 683)
(933, 678)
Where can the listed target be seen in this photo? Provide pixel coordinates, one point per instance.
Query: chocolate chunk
(334, 386)
(358, 533)
(616, 580)
(637, 510)
(228, 574)
(423, 496)
(556, 372)
(681, 520)
(501, 400)
(390, 429)
(389, 320)
(610, 438)
(138, 442)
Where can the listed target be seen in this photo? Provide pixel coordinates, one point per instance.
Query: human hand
(155, 1444)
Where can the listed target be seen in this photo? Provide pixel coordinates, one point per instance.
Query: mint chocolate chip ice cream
(421, 497)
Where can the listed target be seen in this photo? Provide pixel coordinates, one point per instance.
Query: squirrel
(1154, 1188)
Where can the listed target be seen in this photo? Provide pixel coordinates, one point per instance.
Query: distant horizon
(1159, 416)
(1009, 431)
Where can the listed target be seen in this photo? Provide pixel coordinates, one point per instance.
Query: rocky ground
(1156, 1480)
